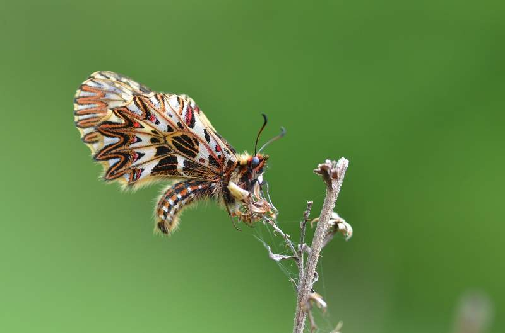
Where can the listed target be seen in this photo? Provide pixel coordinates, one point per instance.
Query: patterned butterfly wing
(140, 135)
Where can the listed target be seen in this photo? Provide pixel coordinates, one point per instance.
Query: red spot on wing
(189, 115)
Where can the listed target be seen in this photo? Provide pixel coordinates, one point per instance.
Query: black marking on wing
(207, 136)
(165, 165)
(184, 144)
(162, 150)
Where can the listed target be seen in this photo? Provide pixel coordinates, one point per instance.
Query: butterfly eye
(255, 162)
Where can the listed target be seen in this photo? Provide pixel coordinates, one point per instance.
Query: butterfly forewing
(140, 135)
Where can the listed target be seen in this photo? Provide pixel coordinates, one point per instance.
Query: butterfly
(141, 136)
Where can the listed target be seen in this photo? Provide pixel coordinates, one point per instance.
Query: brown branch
(333, 174)
(328, 224)
(303, 223)
(302, 247)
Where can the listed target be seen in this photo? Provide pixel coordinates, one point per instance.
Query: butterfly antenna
(275, 138)
(265, 120)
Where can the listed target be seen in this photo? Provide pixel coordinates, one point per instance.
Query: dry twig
(333, 174)
(328, 224)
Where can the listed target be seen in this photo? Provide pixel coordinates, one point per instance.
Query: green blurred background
(412, 93)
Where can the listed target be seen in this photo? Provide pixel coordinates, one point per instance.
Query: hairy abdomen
(176, 198)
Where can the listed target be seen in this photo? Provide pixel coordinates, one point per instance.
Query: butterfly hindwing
(99, 94)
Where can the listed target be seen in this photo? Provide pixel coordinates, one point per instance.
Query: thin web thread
(326, 316)
(277, 245)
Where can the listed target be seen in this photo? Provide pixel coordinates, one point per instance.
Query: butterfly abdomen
(176, 198)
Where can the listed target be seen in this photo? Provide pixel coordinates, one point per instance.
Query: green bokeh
(412, 93)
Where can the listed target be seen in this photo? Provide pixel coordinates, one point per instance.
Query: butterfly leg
(249, 207)
(177, 197)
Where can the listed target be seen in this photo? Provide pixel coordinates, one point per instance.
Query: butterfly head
(254, 166)
(251, 168)
(246, 184)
